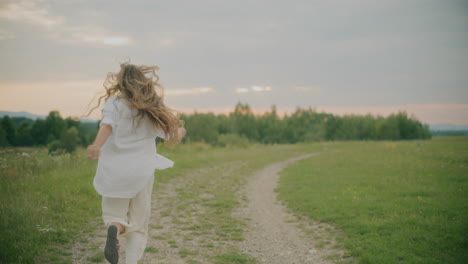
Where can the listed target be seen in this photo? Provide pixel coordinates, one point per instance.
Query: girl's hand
(93, 152)
(103, 133)
(182, 132)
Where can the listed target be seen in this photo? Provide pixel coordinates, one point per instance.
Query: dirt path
(273, 236)
(192, 222)
(179, 233)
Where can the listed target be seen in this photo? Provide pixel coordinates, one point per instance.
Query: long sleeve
(108, 112)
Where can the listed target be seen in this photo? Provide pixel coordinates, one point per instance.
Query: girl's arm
(181, 133)
(101, 137)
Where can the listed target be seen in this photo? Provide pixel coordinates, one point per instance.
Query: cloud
(167, 42)
(253, 88)
(192, 91)
(242, 90)
(94, 35)
(30, 12)
(308, 89)
(98, 36)
(166, 39)
(257, 88)
(5, 34)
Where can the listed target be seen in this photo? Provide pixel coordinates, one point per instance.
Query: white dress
(128, 159)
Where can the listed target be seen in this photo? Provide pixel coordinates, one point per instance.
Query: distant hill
(448, 127)
(448, 130)
(21, 114)
(34, 117)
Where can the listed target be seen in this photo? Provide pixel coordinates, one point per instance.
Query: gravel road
(273, 236)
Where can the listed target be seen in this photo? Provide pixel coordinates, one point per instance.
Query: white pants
(134, 214)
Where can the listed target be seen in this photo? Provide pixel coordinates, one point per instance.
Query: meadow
(48, 202)
(394, 202)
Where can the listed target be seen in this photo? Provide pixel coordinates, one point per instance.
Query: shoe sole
(110, 251)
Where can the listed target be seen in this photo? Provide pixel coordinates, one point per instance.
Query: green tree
(10, 131)
(3, 138)
(244, 122)
(332, 126)
(82, 130)
(388, 128)
(224, 124)
(87, 131)
(39, 132)
(70, 139)
(202, 127)
(24, 137)
(56, 126)
(67, 143)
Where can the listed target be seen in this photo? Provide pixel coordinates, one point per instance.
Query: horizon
(281, 112)
(340, 57)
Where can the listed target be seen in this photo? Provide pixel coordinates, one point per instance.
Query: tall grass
(45, 200)
(397, 202)
(48, 201)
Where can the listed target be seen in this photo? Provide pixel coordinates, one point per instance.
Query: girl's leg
(111, 250)
(114, 214)
(121, 230)
(138, 216)
(120, 227)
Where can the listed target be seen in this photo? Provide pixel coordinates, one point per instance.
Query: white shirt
(128, 158)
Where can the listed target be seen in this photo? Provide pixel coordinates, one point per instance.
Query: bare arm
(93, 150)
(181, 133)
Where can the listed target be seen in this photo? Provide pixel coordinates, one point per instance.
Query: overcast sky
(337, 56)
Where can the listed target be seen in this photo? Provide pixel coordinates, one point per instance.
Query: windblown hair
(136, 85)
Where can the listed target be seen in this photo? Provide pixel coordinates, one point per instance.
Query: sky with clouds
(348, 56)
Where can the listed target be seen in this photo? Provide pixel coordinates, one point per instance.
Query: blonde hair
(136, 85)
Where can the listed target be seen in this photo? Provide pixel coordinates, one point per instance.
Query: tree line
(57, 133)
(304, 125)
(240, 127)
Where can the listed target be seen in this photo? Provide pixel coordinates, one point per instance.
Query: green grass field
(396, 202)
(44, 200)
(48, 201)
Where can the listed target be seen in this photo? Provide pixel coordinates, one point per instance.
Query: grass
(48, 201)
(98, 257)
(151, 249)
(396, 202)
(234, 258)
(44, 200)
(205, 197)
(186, 252)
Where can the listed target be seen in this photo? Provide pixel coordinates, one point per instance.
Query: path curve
(271, 236)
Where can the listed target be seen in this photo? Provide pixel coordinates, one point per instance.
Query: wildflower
(391, 145)
(45, 229)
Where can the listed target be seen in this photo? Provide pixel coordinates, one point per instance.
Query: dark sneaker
(110, 251)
